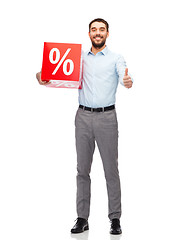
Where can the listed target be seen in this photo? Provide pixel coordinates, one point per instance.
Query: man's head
(98, 32)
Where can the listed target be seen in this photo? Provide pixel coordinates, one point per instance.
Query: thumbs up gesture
(127, 79)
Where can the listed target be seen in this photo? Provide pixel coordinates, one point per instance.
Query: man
(96, 121)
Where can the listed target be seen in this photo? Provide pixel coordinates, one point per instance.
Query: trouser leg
(85, 146)
(107, 141)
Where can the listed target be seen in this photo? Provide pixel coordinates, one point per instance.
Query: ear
(89, 34)
(107, 34)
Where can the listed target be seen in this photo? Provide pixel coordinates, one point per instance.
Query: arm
(122, 70)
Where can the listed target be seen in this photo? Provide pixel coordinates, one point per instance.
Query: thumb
(126, 71)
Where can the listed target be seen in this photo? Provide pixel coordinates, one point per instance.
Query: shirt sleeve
(120, 68)
(81, 65)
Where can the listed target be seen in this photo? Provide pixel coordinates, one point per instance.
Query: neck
(96, 50)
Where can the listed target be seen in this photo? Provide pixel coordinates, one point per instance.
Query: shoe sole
(116, 233)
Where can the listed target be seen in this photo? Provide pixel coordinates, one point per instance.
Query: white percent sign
(57, 58)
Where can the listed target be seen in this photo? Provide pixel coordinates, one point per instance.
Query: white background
(38, 157)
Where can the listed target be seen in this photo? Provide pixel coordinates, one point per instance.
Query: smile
(97, 38)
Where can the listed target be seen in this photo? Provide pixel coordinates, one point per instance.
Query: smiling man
(96, 122)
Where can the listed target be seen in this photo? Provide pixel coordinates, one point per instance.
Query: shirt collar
(104, 51)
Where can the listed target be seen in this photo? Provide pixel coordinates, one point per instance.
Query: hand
(38, 76)
(127, 79)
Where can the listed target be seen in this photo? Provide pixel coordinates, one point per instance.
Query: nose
(98, 31)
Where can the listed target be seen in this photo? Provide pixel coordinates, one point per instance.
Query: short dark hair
(99, 20)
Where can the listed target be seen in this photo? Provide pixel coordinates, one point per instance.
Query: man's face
(98, 34)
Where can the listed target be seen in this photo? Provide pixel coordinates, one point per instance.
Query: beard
(98, 45)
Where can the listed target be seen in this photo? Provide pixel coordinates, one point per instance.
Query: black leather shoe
(80, 226)
(115, 226)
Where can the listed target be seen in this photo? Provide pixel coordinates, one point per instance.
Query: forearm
(122, 71)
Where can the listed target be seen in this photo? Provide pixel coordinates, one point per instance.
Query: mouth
(98, 38)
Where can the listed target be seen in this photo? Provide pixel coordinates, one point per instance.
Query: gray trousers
(102, 128)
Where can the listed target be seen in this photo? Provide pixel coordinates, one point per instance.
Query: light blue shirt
(101, 74)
